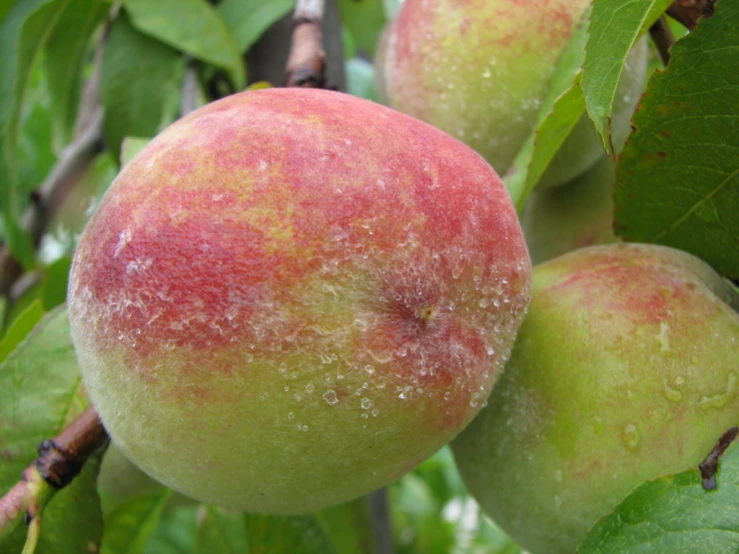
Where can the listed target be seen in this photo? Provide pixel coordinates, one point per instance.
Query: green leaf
(364, 19)
(560, 112)
(22, 36)
(138, 76)
(40, 394)
(416, 516)
(130, 525)
(72, 522)
(132, 146)
(176, 532)
(615, 26)
(20, 327)
(34, 152)
(5, 7)
(360, 79)
(674, 514)
(348, 526)
(678, 177)
(64, 60)
(220, 531)
(193, 26)
(54, 285)
(294, 534)
(249, 19)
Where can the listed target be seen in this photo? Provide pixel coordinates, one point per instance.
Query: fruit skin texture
(291, 297)
(479, 69)
(623, 371)
(572, 216)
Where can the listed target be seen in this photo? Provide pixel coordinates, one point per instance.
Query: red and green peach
(479, 70)
(624, 370)
(291, 297)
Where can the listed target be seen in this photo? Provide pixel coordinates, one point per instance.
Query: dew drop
(369, 369)
(282, 368)
(630, 436)
(330, 397)
(672, 394)
(366, 403)
(290, 415)
(475, 399)
(309, 387)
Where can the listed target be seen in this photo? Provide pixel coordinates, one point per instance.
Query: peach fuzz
(291, 297)
(624, 370)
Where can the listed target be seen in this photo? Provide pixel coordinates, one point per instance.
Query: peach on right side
(624, 370)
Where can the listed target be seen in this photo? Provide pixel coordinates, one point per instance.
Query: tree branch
(663, 38)
(189, 99)
(49, 197)
(60, 460)
(688, 12)
(64, 176)
(306, 63)
(380, 521)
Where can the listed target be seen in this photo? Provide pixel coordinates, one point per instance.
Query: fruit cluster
(292, 297)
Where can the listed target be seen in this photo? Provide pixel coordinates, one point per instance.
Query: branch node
(306, 63)
(688, 12)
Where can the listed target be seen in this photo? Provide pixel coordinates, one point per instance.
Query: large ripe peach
(624, 370)
(291, 297)
(479, 70)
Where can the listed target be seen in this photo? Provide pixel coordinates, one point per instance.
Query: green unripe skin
(480, 69)
(291, 297)
(572, 216)
(624, 370)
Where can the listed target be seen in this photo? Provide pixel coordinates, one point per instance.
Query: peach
(624, 370)
(479, 70)
(291, 297)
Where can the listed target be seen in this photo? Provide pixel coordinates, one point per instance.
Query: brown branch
(663, 38)
(306, 63)
(62, 457)
(46, 201)
(688, 12)
(189, 98)
(60, 460)
(380, 522)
